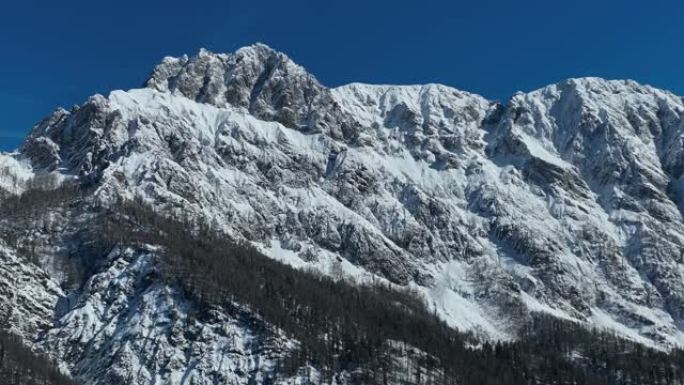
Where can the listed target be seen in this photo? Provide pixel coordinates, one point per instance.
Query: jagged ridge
(565, 200)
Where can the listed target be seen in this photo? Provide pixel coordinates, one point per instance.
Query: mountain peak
(257, 52)
(256, 78)
(408, 175)
(597, 86)
(259, 49)
(187, 73)
(566, 201)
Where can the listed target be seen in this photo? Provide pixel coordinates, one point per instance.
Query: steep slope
(126, 328)
(619, 144)
(488, 209)
(20, 366)
(564, 201)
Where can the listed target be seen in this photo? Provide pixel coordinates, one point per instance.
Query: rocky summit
(564, 202)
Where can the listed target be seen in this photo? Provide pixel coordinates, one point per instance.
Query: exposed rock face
(566, 200)
(265, 82)
(27, 294)
(127, 327)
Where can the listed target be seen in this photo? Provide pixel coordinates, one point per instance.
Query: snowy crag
(566, 200)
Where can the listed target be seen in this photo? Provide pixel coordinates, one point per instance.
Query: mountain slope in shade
(565, 200)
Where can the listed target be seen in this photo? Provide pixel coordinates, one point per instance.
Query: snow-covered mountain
(566, 200)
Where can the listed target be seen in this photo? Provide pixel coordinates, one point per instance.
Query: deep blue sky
(56, 53)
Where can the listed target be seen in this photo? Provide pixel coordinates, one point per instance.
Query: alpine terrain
(235, 221)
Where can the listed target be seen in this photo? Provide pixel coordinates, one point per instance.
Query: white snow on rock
(15, 173)
(565, 200)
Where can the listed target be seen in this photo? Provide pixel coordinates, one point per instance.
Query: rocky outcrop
(566, 200)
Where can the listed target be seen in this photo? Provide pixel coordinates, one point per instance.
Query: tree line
(343, 326)
(356, 329)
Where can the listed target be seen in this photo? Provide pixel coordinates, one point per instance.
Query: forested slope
(20, 366)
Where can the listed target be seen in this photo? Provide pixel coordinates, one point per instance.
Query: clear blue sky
(57, 53)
